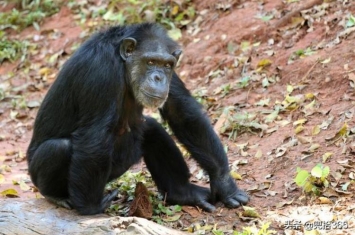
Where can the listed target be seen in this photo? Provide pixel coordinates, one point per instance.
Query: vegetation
(171, 14)
(12, 50)
(25, 13)
(28, 12)
(312, 182)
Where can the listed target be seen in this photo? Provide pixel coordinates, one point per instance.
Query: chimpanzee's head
(150, 58)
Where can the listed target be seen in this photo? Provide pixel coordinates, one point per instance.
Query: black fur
(90, 129)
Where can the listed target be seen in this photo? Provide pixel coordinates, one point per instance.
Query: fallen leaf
(326, 156)
(2, 178)
(264, 63)
(314, 147)
(193, 211)
(341, 133)
(259, 154)
(24, 186)
(235, 175)
(9, 193)
(324, 200)
(272, 116)
(250, 212)
(280, 151)
(304, 140)
(326, 61)
(172, 218)
(141, 205)
(299, 129)
(33, 104)
(316, 130)
(300, 122)
(284, 203)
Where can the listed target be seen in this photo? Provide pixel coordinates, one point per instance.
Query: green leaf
(266, 18)
(351, 22)
(245, 45)
(272, 116)
(325, 172)
(308, 187)
(317, 171)
(177, 208)
(265, 82)
(175, 33)
(217, 232)
(244, 81)
(232, 47)
(264, 102)
(172, 218)
(301, 178)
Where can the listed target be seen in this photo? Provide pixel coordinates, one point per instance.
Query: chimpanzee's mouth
(152, 100)
(159, 97)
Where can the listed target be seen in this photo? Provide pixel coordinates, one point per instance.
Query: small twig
(288, 17)
(307, 5)
(309, 71)
(247, 98)
(349, 71)
(291, 72)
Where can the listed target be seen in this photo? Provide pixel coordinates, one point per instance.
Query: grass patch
(28, 12)
(12, 50)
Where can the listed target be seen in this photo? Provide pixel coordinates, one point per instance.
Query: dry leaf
(9, 193)
(324, 200)
(299, 129)
(141, 206)
(259, 154)
(24, 186)
(235, 175)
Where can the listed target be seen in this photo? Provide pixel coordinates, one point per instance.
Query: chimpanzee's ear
(127, 47)
(177, 54)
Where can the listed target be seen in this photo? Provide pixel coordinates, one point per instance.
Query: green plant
(244, 82)
(172, 14)
(28, 13)
(300, 54)
(12, 50)
(237, 122)
(165, 213)
(350, 22)
(313, 181)
(126, 183)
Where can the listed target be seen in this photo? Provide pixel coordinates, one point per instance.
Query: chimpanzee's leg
(169, 170)
(49, 168)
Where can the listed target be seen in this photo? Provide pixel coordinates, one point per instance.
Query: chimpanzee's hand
(224, 189)
(108, 198)
(191, 194)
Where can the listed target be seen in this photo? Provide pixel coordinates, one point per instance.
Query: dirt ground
(296, 58)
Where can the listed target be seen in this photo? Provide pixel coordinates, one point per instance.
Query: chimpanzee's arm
(192, 127)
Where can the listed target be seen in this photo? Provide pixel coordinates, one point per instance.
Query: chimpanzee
(90, 128)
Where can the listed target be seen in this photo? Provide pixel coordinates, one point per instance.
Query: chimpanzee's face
(150, 67)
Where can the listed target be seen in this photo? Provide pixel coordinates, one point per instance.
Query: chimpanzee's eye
(150, 62)
(168, 65)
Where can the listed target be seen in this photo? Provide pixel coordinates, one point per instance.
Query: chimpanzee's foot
(62, 202)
